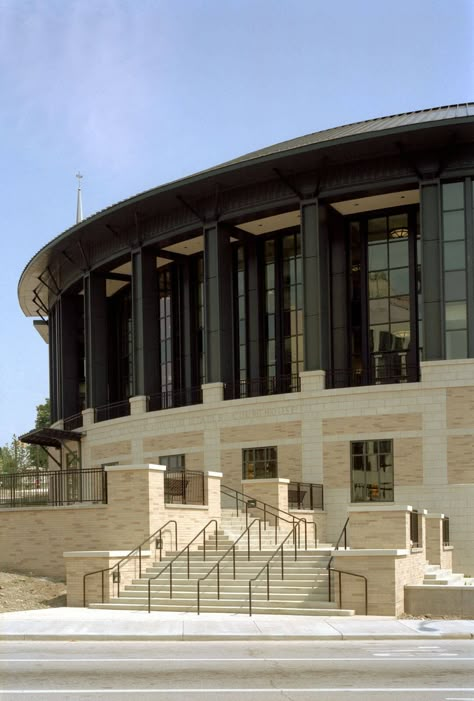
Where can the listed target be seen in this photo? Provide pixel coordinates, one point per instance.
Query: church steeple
(79, 199)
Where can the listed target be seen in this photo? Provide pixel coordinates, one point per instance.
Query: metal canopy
(53, 437)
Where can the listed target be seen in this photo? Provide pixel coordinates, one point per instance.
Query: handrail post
(259, 534)
(250, 597)
(103, 589)
(149, 595)
(233, 560)
(281, 563)
(198, 597)
(268, 582)
(187, 552)
(218, 581)
(296, 549)
(329, 581)
(171, 580)
(140, 561)
(118, 580)
(340, 590)
(248, 544)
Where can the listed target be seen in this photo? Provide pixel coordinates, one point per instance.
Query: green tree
(14, 456)
(38, 457)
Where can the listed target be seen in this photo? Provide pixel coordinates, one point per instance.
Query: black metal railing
(262, 386)
(391, 367)
(305, 496)
(115, 570)
(414, 529)
(217, 567)
(53, 488)
(173, 399)
(245, 503)
(294, 534)
(348, 574)
(186, 550)
(446, 541)
(185, 487)
(73, 422)
(342, 543)
(112, 411)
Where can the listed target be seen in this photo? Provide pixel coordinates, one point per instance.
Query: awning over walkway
(53, 437)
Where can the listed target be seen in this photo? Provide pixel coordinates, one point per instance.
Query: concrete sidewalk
(88, 624)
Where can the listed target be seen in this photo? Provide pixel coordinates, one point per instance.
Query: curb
(232, 638)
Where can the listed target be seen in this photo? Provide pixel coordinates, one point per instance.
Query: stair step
(258, 609)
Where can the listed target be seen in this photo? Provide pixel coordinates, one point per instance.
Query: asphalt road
(239, 671)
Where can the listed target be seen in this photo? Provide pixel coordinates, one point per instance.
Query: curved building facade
(303, 312)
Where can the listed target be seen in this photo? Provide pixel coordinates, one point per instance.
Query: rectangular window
(259, 463)
(372, 470)
(173, 463)
(454, 261)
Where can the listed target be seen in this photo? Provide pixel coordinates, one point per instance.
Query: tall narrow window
(241, 312)
(166, 333)
(199, 321)
(292, 305)
(389, 296)
(454, 264)
(283, 305)
(270, 311)
(121, 345)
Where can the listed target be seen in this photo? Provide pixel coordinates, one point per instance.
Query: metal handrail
(159, 546)
(266, 566)
(268, 508)
(185, 549)
(350, 574)
(343, 534)
(218, 563)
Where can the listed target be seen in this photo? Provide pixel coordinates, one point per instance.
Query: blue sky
(135, 93)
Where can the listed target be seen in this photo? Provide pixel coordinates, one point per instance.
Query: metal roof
(358, 131)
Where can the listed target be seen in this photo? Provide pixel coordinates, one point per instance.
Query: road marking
(271, 690)
(68, 660)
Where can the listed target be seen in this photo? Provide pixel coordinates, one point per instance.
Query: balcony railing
(112, 411)
(305, 496)
(386, 368)
(172, 399)
(262, 386)
(56, 488)
(185, 487)
(73, 422)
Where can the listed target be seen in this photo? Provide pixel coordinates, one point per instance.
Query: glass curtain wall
(283, 309)
(385, 282)
(454, 270)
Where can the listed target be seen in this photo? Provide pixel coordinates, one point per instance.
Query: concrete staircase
(303, 591)
(435, 576)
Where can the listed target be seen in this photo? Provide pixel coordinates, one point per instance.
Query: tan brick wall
(408, 461)
(173, 441)
(195, 461)
(261, 432)
(379, 529)
(77, 567)
(268, 491)
(231, 466)
(460, 407)
(386, 423)
(102, 453)
(386, 580)
(289, 462)
(336, 464)
(461, 459)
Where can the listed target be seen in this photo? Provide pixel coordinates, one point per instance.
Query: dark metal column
(314, 238)
(145, 314)
(431, 271)
(218, 304)
(68, 309)
(95, 336)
